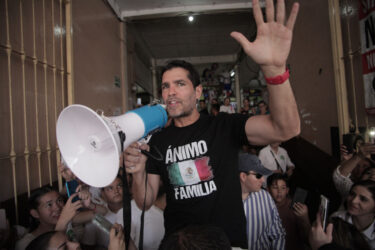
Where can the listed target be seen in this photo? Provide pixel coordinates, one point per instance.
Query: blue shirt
(263, 223)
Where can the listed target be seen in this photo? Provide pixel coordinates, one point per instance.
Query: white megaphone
(90, 143)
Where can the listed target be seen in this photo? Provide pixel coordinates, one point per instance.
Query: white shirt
(268, 161)
(227, 109)
(153, 230)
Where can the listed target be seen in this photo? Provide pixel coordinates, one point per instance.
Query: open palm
(272, 44)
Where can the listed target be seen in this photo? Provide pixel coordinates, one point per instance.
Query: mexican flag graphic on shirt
(190, 172)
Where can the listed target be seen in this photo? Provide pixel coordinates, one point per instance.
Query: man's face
(252, 181)
(113, 192)
(179, 93)
(263, 108)
(278, 191)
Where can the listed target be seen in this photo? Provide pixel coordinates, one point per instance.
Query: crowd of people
(273, 220)
(213, 107)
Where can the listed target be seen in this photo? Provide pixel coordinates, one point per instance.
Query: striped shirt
(264, 228)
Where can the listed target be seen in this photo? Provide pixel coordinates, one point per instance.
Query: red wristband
(278, 79)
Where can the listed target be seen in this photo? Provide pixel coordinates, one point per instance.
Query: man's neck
(275, 149)
(115, 207)
(281, 203)
(245, 195)
(187, 120)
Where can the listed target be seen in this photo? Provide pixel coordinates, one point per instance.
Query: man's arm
(270, 50)
(365, 150)
(135, 163)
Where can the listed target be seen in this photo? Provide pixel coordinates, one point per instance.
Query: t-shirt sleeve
(238, 122)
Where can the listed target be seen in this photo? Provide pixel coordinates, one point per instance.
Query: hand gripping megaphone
(90, 143)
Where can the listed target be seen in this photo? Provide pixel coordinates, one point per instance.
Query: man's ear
(34, 213)
(242, 176)
(198, 91)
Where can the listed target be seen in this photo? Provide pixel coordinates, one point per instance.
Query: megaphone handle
(126, 199)
(158, 157)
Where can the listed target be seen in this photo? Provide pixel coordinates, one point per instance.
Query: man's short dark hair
(260, 102)
(192, 75)
(196, 237)
(275, 177)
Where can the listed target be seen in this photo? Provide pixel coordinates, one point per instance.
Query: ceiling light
(232, 73)
(191, 18)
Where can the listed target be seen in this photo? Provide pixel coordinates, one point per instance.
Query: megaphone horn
(90, 144)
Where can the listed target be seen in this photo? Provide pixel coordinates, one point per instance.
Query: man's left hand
(272, 45)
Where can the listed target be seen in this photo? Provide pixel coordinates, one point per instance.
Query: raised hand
(300, 209)
(344, 153)
(68, 212)
(318, 237)
(84, 195)
(116, 238)
(274, 37)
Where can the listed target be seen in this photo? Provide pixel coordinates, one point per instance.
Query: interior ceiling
(162, 29)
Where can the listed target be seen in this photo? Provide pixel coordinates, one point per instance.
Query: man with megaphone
(199, 165)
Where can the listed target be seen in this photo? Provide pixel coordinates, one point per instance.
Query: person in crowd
(338, 235)
(253, 110)
(48, 212)
(227, 107)
(360, 209)
(352, 168)
(200, 153)
(263, 108)
(197, 237)
(113, 196)
(246, 107)
(276, 159)
(202, 107)
(215, 109)
(59, 240)
(294, 217)
(264, 227)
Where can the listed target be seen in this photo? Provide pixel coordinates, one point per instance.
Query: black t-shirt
(200, 174)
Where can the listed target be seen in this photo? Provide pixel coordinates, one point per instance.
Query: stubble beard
(183, 113)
